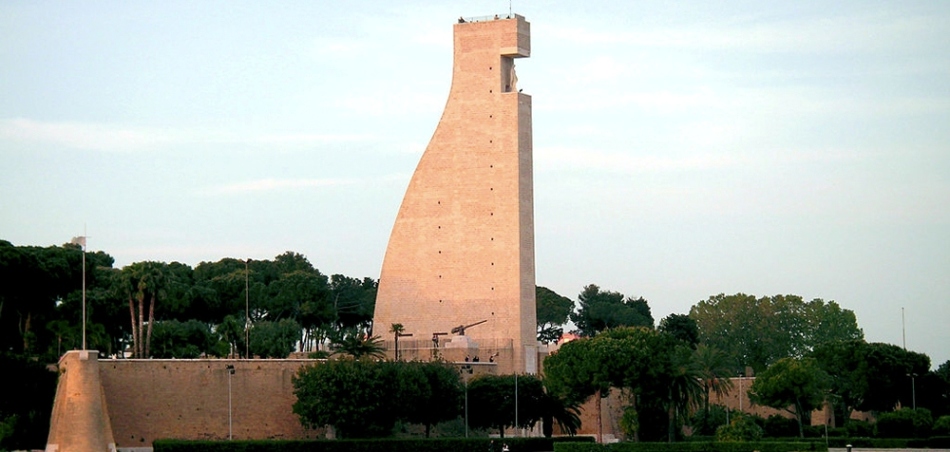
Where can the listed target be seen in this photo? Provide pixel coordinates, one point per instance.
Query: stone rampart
(189, 399)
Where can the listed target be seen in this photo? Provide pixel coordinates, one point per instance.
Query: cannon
(460, 330)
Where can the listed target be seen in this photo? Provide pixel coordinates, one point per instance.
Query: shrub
(859, 428)
(742, 428)
(780, 427)
(905, 423)
(941, 426)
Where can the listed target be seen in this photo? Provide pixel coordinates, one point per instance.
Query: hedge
(760, 446)
(368, 445)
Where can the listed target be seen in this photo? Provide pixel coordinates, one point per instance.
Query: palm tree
(358, 345)
(714, 371)
(397, 330)
(685, 390)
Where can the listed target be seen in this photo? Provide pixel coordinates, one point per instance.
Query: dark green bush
(780, 427)
(905, 423)
(367, 445)
(859, 429)
(941, 426)
(939, 442)
(773, 446)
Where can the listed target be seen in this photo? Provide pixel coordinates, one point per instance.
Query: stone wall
(188, 399)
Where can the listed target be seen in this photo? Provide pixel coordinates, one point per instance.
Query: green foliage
(365, 398)
(905, 423)
(358, 345)
(491, 401)
(870, 376)
(706, 421)
(795, 385)
(183, 340)
(553, 312)
(599, 310)
(681, 327)
(741, 428)
(941, 426)
(639, 361)
(26, 401)
(274, 339)
(781, 326)
(368, 445)
(780, 427)
(745, 446)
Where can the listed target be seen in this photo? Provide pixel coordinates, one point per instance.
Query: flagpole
(84, 287)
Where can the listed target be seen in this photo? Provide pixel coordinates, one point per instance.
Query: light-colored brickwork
(188, 399)
(80, 419)
(462, 247)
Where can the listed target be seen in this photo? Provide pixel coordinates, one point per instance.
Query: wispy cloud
(275, 184)
(82, 135)
(812, 34)
(121, 138)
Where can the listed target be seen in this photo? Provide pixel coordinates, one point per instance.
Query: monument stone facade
(461, 252)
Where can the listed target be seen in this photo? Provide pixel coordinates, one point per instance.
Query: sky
(681, 149)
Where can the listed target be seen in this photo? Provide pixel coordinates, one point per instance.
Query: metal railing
(463, 20)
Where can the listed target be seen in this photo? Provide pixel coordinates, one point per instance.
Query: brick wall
(188, 399)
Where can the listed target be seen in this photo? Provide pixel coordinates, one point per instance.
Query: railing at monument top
(426, 344)
(487, 18)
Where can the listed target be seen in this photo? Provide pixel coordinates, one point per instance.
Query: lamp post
(230, 369)
(913, 390)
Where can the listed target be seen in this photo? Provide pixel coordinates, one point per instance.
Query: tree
(553, 312)
(143, 281)
(491, 401)
(354, 396)
(636, 360)
(182, 340)
(599, 310)
(364, 398)
(757, 332)
(354, 301)
(794, 385)
(437, 398)
(685, 387)
(681, 327)
(714, 373)
(274, 339)
(358, 345)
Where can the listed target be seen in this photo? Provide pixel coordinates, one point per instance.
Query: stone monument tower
(459, 268)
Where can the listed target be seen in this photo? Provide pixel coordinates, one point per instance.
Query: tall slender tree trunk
(141, 348)
(600, 420)
(151, 320)
(135, 330)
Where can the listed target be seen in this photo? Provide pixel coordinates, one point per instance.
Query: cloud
(574, 158)
(272, 184)
(100, 137)
(118, 138)
(865, 32)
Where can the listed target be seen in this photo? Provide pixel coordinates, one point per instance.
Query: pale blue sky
(681, 150)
